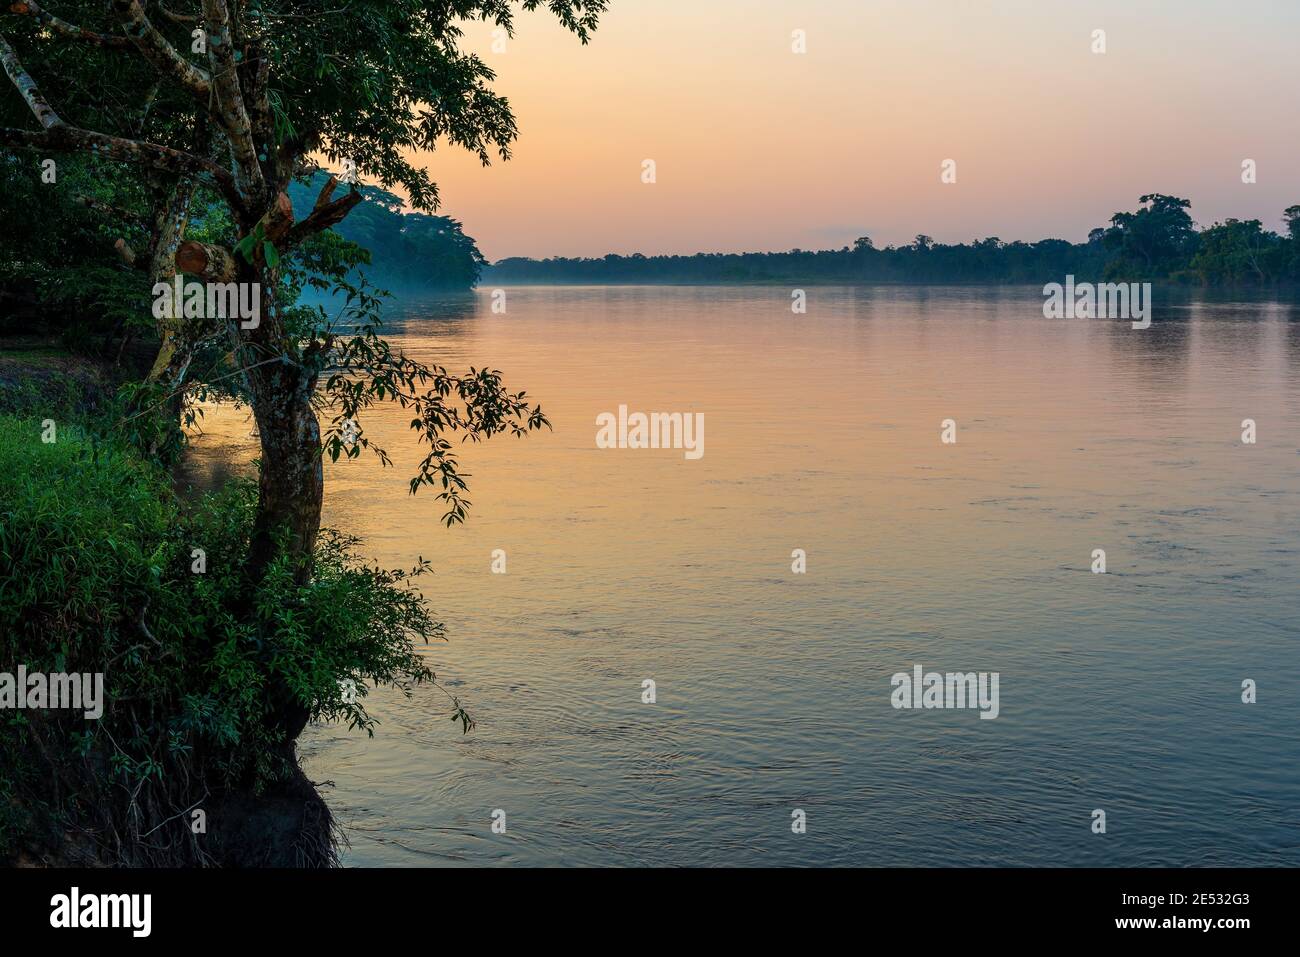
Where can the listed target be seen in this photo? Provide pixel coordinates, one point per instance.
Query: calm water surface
(1118, 691)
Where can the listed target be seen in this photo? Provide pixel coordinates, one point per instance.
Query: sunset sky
(758, 148)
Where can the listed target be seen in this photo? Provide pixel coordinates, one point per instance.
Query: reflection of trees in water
(194, 476)
(454, 308)
(1155, 358)
(438, 315)
(219, 453)
(1223, 328)
(1290, 314)
(216, 457)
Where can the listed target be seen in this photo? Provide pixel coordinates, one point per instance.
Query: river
(1119, 692)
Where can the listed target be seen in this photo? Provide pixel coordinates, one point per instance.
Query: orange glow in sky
(760, 148)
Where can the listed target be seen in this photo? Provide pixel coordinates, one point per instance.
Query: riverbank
(106, 572)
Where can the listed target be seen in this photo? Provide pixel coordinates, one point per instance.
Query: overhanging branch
(324, 214)
(28, 8)
(59, 137)
(63, 138)
(45, 114)
(153, 46)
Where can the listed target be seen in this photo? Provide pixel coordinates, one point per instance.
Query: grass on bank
(97, 574)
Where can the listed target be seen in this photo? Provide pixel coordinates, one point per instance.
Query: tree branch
(63, 138)
(110, 210)
(28, 8)
(231, 111)
(58, 136)
(171, 218)
(153, 46)
(258, 74)
(326, 193)
(325, 214)
(27, 87)
(127, 254)
(177, 17)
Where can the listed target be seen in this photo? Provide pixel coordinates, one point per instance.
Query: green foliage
(1235, 253)
(58, 255)
(96, 576)
(376, 80)
(1152, 241)
(362, 369)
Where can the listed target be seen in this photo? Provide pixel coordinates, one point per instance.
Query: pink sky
(759, 148)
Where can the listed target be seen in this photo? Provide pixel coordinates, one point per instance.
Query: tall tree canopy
(1152, 239)
(218, 105)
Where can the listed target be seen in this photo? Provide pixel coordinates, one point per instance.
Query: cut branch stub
(326, 193)
(322, 217)
(210, 263)
(126, 253)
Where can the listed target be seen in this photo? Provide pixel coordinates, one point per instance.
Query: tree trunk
(291, 484)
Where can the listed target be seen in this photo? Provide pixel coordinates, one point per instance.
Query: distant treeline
(1158, 241)
(406, 249)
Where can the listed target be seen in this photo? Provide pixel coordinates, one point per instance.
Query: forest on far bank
(1159, 242)
(407, 249)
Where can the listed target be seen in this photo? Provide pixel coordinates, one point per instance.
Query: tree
(1291, 266)
(1153, 239)
(1238, 251)
(256, 90)
(1291, 216)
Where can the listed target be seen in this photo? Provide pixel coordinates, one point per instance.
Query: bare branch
(231, 111)
(322, 217)
(110, 210)
(149, 99)
(177, 17)
(27, 87)
(154, 47)
(29, 8)
(326, 193)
